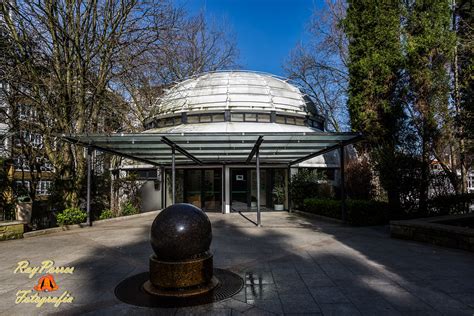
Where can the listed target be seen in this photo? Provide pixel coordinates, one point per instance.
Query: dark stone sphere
(181, 231)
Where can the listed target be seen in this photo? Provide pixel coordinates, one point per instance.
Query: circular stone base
(151, 289)
(169, 275)
(131, 291)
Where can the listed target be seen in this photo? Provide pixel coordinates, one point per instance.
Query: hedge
(359, 212)
(450, 204)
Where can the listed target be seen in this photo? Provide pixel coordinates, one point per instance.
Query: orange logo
(46, 284)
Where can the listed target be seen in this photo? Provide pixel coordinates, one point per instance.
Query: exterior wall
(150, 196)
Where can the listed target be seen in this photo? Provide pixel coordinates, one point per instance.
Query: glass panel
(193, 119)
(169, 121)
(279, 190)
(290, 120)
(239, 189)
(179, 186)
(280, 119)
(237, 117)
(263, 187)
(205, 118)
(212, 189)
(300, 121)
(192, 189)
(264, 118)
(250, 117)
(218, 118)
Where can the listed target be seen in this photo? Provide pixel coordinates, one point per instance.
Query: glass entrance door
(239, 189)
(200, 187)
(244, 189)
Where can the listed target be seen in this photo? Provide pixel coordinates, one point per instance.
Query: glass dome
(234, 96)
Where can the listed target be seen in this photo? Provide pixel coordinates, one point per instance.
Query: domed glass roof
(234, 91)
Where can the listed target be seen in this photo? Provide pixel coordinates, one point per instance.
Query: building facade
(228, 102)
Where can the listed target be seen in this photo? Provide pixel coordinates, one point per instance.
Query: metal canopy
(216, 148)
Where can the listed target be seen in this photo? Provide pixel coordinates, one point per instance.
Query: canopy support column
(288, 181)
(88, 203)
(257, 156)
(173, 174)
(343, 191)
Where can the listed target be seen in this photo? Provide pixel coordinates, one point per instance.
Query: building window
(21, 186)
(280, 119)
(44, 187)
(299, 121)
(26, 112)
(192, 119)
(169, 121)
(250, 117)
(29, 138)
(21, 163)
(218, 117)
(264, 118)
(237, 117)
(151, 174)
(205, 118)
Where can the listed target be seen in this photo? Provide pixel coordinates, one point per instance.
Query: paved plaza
(291, 265)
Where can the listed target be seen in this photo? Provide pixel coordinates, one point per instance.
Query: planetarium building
(228, 141)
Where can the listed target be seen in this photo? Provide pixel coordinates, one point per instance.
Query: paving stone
(299, 303)
(297, 266)
(273, 305)
(328, 295)
(313, 281)
(256, 278)
(339, 309)
(264, 291)
(256, 312)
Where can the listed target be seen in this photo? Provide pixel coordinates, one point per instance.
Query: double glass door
(244, 188)
(200, 187)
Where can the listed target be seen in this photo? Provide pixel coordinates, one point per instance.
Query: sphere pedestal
(183, 278)
(181, 268)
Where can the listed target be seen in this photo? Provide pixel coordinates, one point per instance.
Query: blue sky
(266, 30)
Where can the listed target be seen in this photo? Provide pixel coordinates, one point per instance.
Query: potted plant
(278, 197)
(253, 202)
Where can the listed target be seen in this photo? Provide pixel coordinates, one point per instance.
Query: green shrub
(324, 207)
(71, 216)
(450, 204)
(106, 214)
(304, 184)
(129, 209)
(358, 212)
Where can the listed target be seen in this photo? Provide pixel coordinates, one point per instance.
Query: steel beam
(181, 150)
(259, 223)
(329, 149)
(343, 191)
(173, 174)
(111, 151)
(88, 205)
(255, 149)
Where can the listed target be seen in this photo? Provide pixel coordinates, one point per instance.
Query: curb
(99, 222)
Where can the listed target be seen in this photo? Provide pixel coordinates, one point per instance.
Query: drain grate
(131, 291)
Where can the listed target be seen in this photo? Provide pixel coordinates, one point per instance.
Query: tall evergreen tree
(375, 64)
(429, 49)
(463, 22)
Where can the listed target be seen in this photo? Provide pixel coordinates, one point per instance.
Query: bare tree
(188, 45)
(64, 57)
(319, 67)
